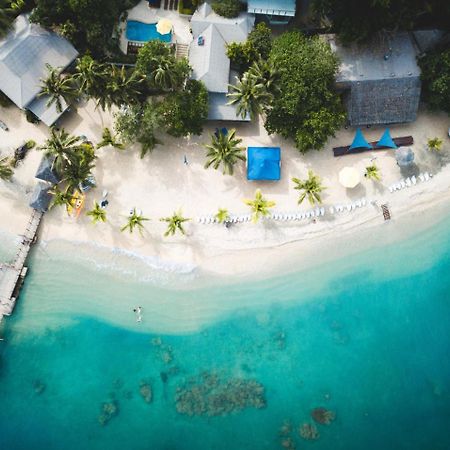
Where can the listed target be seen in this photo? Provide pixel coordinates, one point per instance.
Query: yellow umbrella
(349, 177)
(164, 26)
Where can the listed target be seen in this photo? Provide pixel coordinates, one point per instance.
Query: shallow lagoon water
(370, 342)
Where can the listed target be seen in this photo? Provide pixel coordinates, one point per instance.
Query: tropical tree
(123, 87)
(79, 171)
(250, 95)
(260, 206)
(224, 149)
(174, 223)
(135, 221)
(373, 173)
(6, 172)
(62, 147)
(222, 215)
(6, 17)
(306, 107)
(60, 197)
(109, 139)
(97, 213)
(59, 87)
(184, 112)
(311, 187)
(91, 77)
(434, 144)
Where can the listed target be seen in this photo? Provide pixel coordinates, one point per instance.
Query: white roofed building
(24, 54)
(208, 58)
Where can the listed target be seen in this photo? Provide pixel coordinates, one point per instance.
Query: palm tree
(79, 171)
(265, 74)
(373, 172)
(134, 220)
(97, 213)
(91, 76)
(434, 144)
(260, 206)
(109, 139)
(6, 172)
(311, 188)
(61, 146)
(6, 17)
(250, 95)
(175, 223)
(222, 215)
(224, 149)
(122, 88)
(58, 87)
(61, 197)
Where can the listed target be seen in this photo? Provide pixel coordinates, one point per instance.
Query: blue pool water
(375, 350)
(144, 32)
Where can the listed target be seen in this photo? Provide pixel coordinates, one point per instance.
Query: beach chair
(322, 211)
(363, 201)
(402, 184)
(426, 176)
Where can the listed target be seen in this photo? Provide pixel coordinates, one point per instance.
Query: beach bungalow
(41, 197)
(277, 12)
(380, 81)
(208, 58)
(24, 53)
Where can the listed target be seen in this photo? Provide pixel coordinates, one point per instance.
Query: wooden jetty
(12, 275)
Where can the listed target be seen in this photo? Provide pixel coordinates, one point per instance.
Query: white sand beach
(161, 183)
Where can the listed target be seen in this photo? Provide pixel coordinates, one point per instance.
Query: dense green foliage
(6, 171)
(435, 76)
(358, 20)
(6, 16)
(184, 112)
(257, 46)
(87, 23)
(227, 8)
(138, 123)
(306, 108)
(156, 61)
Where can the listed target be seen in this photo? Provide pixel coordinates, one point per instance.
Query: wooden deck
(12, 275)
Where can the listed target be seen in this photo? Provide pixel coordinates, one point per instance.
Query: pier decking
(12, 275)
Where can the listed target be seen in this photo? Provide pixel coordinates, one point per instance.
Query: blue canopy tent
(386, 140)
(263, 163)
(359, 141)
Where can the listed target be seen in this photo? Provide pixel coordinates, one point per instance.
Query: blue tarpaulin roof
(386, 140)
(359, 141)
(263, 163)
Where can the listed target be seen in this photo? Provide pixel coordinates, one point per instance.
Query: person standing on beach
(185, 160)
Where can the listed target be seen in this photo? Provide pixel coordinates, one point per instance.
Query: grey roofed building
(45, 171)
(208, 57)
(41, 197)
(381, 81)
(24, 53)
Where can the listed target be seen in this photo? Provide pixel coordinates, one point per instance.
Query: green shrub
(4, 100)
(185, 7)
(31, 117)
(30, 144)
(227, 8)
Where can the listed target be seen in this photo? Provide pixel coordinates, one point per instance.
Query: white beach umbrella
(349, 177)
(164, 26)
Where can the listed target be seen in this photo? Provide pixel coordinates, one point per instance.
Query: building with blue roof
(276, 11)
(263, 163)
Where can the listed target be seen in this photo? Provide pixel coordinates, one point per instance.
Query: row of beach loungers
(410, 181)
(348, 207)
(231, 219)
(299, 216)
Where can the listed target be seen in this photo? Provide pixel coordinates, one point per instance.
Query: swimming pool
(143, 32)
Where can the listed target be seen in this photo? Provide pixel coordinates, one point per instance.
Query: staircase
(181, 50)
(170, 4)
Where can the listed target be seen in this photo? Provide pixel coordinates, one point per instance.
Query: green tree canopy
(306, 107)
(435, 67)
(138, 123)
(6, 172)
(358, 20)
(156, 60)
(87, 23)
(186, 111)
(227, 8)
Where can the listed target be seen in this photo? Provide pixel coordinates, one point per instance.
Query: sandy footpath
(161, 183)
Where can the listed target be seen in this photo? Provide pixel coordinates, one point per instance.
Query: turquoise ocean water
(371, 342)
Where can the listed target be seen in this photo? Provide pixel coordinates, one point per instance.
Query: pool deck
(142, 13)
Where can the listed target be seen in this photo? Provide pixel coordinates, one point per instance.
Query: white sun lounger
(414, 180)
(426, 175)
(408, 182)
